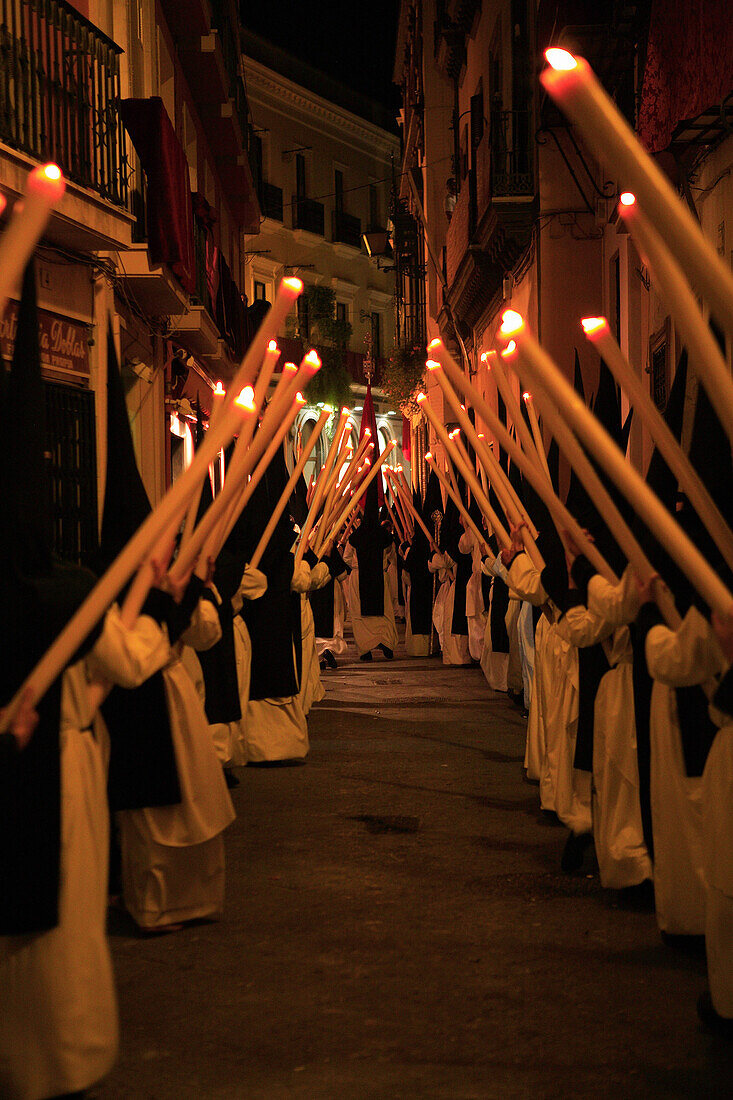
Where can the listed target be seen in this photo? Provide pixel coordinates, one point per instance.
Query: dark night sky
(350, 40)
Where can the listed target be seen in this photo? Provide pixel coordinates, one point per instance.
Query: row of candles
(672, 244)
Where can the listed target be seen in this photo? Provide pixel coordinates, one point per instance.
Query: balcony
(207, 45)
(346, 229)
(271, 201)
(308, 215)
(493, 219)
(60, 93)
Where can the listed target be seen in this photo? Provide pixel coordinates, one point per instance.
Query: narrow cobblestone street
(397, 926)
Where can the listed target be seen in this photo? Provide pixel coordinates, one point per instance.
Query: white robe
(370, 631)
(276, 728)
(623, 859)
(525, 638)
(311, 687)
(173, 856)
(687, 656)
(495, 666)
(717, 822)
(524, 580)
(336, 643)
(475, 610)
(58, 1010)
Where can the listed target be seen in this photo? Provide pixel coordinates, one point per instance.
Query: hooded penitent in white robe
(58, 1011)
(173, 856)
(336, 642)
(475, 611)
(677, 658)
(276, 728)
(717, 823)
(623, 859)
(370, 631)
(252, 585)
(571, 789)
(311, 687)
(525, 639)
(494, 665)
(524, 579)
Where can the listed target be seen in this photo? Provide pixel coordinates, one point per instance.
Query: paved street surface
(397, 926)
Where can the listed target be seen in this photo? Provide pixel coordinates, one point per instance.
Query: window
(303, 320)
(342, 311)
(300, 188)
(338, 190)
(260, 292)
(477, 117)
(373, 206)
(464, 153)
(376, 336)
(615, 290)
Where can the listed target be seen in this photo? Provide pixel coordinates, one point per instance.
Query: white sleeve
(525, 580)
(204, 630)
(617, 603)
(128, 657)
(686, 656)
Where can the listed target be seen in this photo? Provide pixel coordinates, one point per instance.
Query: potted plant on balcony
(330, 337)
(403, 376)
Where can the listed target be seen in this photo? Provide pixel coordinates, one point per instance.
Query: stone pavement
(397, 926)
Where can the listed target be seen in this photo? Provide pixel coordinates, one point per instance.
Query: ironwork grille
(60, 93)
(659, 375)
(72, 451)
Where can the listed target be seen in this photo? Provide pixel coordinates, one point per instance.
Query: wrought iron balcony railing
(271, 201)
(308, 214)
(60, 93)
(512, 154)
(346, 229)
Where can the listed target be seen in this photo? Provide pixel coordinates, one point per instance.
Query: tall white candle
(670, 281)
(564, 520)
(573, 85)
(546, 376)
(44, 190)
(598, 332)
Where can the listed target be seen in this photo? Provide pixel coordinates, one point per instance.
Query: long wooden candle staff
(503, 384)
(396, 524)
(515, 514)
(320, 489)
(536, 432)
(44, 189)
(606, 506)
(336, 527)
(421, 524)
(288, 490)
(598, 331)
(564, 520)
(392, 481)
(468, 475)
(58, 655)
(262, 466)
(468, 519)
(669, 279)
(548, 377)
(210, 532)
(572, 84)
(217, 405)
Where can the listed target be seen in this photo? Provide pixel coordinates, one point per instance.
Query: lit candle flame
(431, 364)
(511, 322)
(313, 359)
(246, 399)
(219, 390)
(592, 325)
(561, 60)
(272, 346)
(436, 343)
(293, 283)
(627, 198)
(509, 349)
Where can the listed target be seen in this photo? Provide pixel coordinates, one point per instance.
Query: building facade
(324, 175)
(142, 105)
(531, 221)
